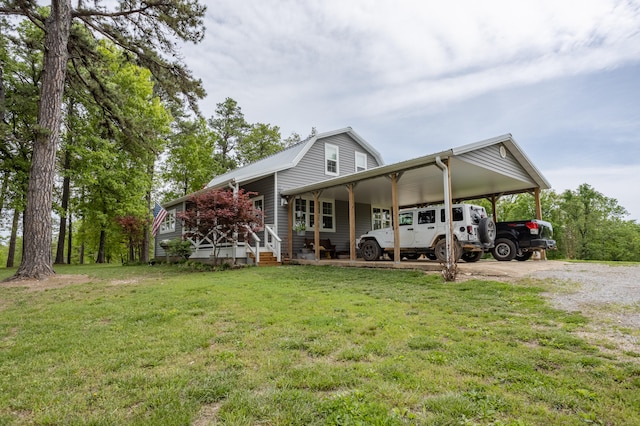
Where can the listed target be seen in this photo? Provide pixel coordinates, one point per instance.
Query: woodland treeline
(127, 140)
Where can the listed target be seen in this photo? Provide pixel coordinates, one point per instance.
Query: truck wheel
(504, 250)
(370, 250)
(472, 256)
(487, 230)
(441, 250)
(524, 256)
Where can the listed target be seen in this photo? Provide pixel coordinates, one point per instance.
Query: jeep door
(425, 229)
(407, 228)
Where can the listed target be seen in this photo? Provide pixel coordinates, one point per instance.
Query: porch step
(266, 259)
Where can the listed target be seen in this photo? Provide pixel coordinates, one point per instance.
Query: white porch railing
(272, 242)
(256, 250)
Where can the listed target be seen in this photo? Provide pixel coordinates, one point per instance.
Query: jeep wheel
(487, 230)
(472, 256)
(504, 250)
(441, 250)
(370, 250)
(524, 256)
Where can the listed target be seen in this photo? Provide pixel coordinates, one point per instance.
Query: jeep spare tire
(370, 250)
(487, 230)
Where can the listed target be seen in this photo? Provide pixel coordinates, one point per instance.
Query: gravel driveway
(608, 295)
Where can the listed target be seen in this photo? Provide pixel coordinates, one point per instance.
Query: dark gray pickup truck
(520, 239)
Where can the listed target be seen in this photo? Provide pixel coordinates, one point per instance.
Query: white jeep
(423, 231)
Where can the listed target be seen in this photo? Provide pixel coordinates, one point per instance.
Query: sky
(415, 77)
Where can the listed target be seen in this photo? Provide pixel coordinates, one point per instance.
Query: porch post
(352, 222)
(316, 224)
(290, 203)
(396, 218)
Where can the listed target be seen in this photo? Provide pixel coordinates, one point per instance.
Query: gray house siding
(490, 158)
(172, 235)
(311, 169)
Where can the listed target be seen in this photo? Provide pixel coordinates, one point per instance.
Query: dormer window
(331, 160)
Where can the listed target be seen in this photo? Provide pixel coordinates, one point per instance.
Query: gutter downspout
(447, 210)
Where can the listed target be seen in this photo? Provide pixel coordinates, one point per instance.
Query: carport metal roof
(492, 167)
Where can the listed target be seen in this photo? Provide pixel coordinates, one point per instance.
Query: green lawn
(300, 345)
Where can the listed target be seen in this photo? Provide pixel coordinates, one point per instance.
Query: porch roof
(496, 166)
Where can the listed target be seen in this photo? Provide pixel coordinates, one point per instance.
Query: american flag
(159, 214)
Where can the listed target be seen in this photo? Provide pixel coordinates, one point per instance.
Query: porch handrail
(275, 243)
(256, 250)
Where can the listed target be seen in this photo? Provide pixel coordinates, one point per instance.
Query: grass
(300, 345)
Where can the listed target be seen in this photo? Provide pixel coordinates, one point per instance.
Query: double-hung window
(361, 161)
(305, 213)
(331, 157)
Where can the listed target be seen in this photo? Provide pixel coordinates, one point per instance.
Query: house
(355, 191)
(320, 158)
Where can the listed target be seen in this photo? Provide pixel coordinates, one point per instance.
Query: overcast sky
(417, 77)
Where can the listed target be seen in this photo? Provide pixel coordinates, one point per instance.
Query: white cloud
(415, 77)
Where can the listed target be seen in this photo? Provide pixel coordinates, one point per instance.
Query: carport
(487, 169)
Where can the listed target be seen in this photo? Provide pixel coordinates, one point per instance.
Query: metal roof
(476, 172)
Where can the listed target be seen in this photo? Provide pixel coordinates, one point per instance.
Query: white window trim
(307, 214)
(362, 156)
(383, 221)
(169, 222)
(258, 198)
(328, 146)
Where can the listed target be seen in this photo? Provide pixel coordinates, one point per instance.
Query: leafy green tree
(261, 141)
(229, 128)
(190, 162)
(587, 216)
(139, 27)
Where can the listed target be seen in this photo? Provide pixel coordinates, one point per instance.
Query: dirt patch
(55, 281)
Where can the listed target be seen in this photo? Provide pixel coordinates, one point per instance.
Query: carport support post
(352, 222)
(396, 217)
(446, 178)
(536, 196)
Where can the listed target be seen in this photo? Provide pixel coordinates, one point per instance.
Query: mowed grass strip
(300, 345)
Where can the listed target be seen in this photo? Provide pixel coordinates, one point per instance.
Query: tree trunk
(36, 262)
(69, 240)
(13, 239)
(63, 218)
(101, 248)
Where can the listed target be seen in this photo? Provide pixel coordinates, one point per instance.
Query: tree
(261, 141)
(221, 216)
(190, 162)
(138, 27)
(229, 128)
(587, 216)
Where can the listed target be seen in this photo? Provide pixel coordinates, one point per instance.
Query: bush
(178, 247)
